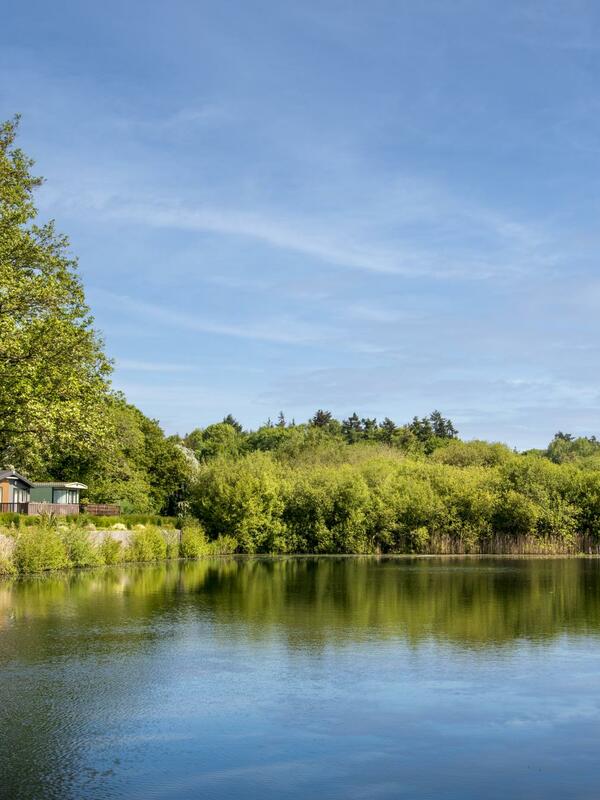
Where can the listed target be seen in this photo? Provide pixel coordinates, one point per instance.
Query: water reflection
(467, 601)
(296, 677)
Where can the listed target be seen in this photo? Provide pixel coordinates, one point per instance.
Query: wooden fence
(61, 509)
(56, 509)
(100, 510)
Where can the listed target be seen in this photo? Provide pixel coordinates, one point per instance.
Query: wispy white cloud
(504, 246)
(301, 237)
(281, 330)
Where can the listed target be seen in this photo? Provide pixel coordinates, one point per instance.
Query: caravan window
(20, 495)
(64, 496)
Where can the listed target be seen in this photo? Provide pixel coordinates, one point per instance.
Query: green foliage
(193, 542)
(139, 469)
(566, 448)
(325, 511)
(470, 454)
(9, 519)
(231, 420)
(39, 549)
(222, 439)
(53, 372)
(365, 498)
(147, 545)
(241, 497)
(7, 567)
(418, 540)
(111, 551)
(80, 550)
(128, 520)
(321, 419)
(50, 546)
(275, 439)
(222, 545)
(172, 542)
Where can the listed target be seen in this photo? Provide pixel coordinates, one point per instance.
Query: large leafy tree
(53, 371)
(140, 469)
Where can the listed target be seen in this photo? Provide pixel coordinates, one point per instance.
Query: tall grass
(53, 545)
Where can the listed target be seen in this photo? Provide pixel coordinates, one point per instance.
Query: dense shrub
(9, 519)
(81, 552)
(111, 551)
(55, 546)
(242, 498)
(147, 545)
(39, 549)
(222, 545)
(467, 497)
(476, 453)
(193, 542)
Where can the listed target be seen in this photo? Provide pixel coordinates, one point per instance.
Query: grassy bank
(36, 549)
(47, 545)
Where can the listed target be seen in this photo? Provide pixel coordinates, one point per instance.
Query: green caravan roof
(59, 485)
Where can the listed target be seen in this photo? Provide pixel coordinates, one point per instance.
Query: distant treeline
(422, 435)
(343, 487)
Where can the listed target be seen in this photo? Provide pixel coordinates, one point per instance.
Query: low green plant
(222, 545)
(147, 545)
(7, 567)
(172, 541)
(128, 520)
(39, 549)
(9, 518)
(193, 542)
(79, 547)
(111, 551)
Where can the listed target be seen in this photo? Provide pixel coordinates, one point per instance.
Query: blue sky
(386, 207)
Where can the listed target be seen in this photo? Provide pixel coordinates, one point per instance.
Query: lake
(351, 677)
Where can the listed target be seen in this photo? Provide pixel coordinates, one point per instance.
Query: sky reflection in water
(303, 677)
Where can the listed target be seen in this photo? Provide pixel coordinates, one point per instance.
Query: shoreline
(73, 570)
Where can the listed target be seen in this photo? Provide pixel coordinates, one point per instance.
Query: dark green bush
(8, 518)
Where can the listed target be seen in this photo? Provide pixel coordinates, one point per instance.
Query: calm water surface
(303, 678)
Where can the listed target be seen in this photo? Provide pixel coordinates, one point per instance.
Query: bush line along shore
(45, 546)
